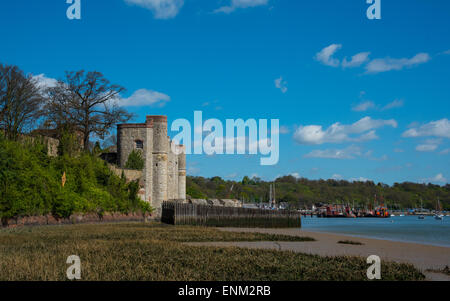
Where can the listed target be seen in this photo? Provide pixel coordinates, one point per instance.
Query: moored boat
(438, 215)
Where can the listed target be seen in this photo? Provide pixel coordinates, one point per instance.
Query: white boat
(421, 210)
(438, 215)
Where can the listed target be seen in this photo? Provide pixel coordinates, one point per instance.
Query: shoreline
(378, 238)
(422, 256)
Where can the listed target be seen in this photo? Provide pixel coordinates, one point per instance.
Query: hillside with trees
(303, 192)
(78, 107)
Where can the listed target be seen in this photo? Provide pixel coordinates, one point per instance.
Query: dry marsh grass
(150, 251)
(350, 242)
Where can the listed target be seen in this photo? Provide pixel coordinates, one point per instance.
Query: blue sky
(357, 98)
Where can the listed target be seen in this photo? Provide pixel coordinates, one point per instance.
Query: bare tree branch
(86, 101)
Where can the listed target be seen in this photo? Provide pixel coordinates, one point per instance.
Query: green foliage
(195, 192)
(135, 161)
(97, 148)
(68, 143)
(301, 192)
(31, 184)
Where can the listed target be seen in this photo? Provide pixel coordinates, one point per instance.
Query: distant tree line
(303, 192)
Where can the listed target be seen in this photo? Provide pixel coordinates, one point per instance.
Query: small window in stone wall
(139, 144)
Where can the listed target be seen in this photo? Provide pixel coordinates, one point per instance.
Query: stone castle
(165, 162)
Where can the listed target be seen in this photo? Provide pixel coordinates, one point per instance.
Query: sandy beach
(424, 257)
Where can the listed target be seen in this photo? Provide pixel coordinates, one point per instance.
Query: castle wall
(130, 175)
(127, 135)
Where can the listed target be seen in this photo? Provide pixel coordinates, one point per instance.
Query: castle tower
(160, 158)
(181, 172)
(164, 173)
(172, 172)
(148, 170)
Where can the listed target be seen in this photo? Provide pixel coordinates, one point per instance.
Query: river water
(398, 228)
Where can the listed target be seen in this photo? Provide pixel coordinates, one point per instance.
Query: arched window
(139, 144)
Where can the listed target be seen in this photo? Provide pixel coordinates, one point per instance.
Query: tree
(135, 161)
(69, 144)
(88, 102)
(245, 180)
(20, 101)
(109, 141)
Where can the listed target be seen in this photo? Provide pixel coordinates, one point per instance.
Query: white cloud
(395, 104)
(438, 128)
(144, 97)
(361, 130)
(295, 175)
(325, 56)
(141, 97)
(389, 64)
(337, 177)
(281, 84)
(242, 144)
(162, 9)
(350, 152)
(364, 106)
(445, 151)
(360, 179)
(426, 147)
(430, 145)
(235, 4)
(356, 61)
(439, 178)
(43, 82)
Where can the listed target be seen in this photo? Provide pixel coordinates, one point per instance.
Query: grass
(350, 242)
(139, 251)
